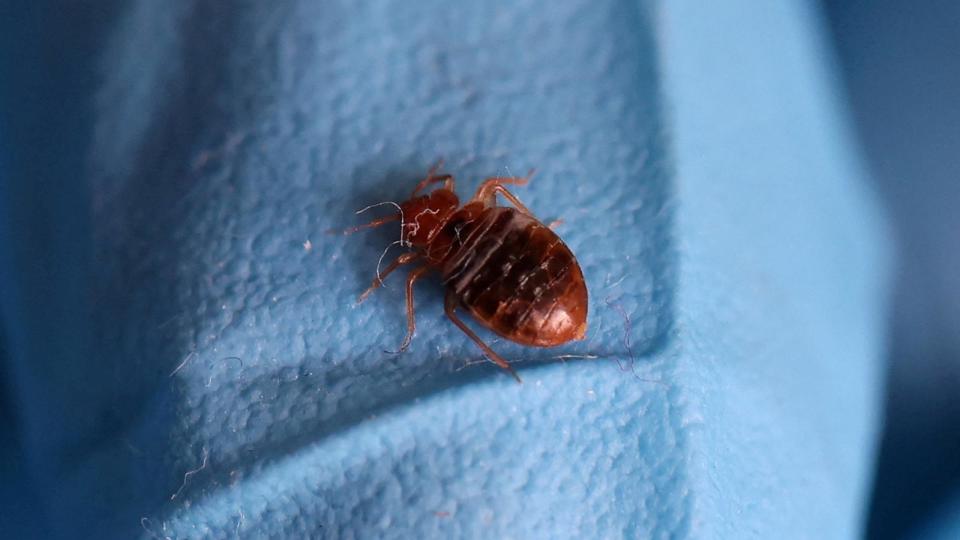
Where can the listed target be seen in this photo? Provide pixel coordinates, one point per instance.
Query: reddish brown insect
(501, 264)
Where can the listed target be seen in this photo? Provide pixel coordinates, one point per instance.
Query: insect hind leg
(450, 306)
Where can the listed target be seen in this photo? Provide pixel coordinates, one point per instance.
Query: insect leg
(378, 281)
(372, 224)
(450, 306)
(432, 177)
(411, 321)
(512, 198)
(447, 180)
(492, 186)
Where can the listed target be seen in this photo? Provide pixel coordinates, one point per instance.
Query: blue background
(179, 361)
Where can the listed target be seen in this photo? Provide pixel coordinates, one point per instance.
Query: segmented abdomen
(517, 278)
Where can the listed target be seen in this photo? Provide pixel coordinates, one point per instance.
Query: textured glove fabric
(231, 386)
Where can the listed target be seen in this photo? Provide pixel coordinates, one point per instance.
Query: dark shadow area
(899, 64)
(23, 515)
(48, 60)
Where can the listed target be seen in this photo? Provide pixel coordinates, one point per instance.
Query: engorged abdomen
(517, 278)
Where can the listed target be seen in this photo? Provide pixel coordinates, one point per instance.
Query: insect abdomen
(517, 278)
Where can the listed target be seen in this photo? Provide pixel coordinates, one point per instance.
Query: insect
(511, 272)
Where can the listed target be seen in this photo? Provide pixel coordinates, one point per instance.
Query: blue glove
(942, 523)
(896, 69)
(700, 164)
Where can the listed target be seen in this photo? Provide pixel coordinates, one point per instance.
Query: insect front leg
(432, 176)
(378, 280)
(411, 320)
(373, 224)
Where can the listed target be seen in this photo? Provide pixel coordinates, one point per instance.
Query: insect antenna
(377, 222)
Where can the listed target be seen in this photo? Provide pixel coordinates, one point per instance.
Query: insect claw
(366, 294)
(403, 348)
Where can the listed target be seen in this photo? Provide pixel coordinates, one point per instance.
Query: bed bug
(511, 272)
